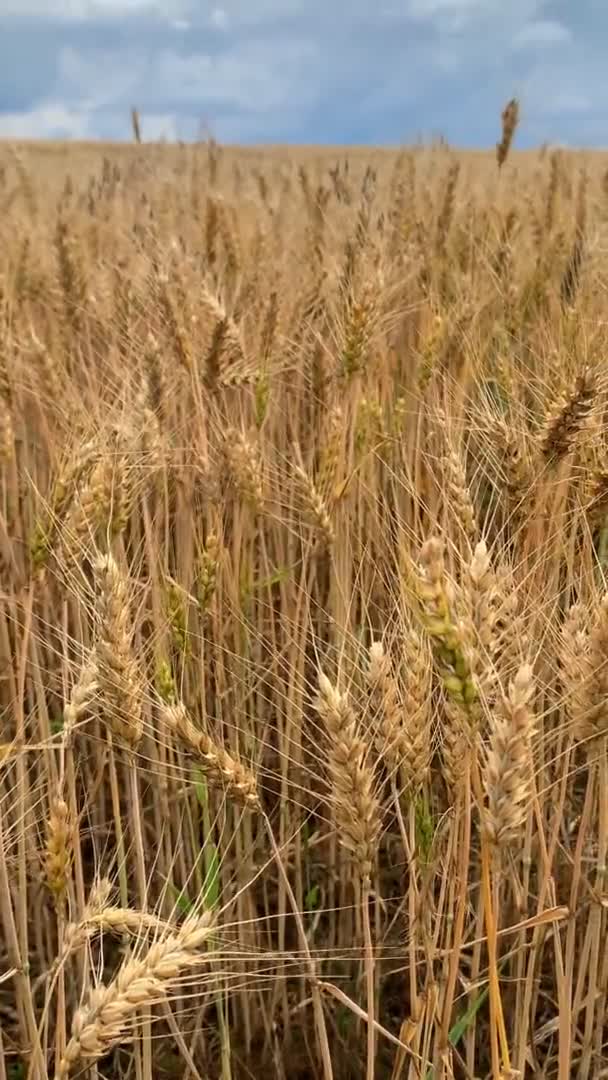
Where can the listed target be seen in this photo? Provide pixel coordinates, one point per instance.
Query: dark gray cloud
(304, 70)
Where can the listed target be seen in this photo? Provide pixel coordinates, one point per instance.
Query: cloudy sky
(347, 71)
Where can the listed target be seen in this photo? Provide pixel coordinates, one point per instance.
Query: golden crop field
(303, 613)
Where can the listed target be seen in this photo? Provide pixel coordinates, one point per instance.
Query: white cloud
(49, 121)
(102, 78)
(81, 10)
(572, 95)
(566, 101)
(466, 9)
(55, 121)
(219, 18)
(450, 15)
(542, 32)
(246, 76)
(258, 11)
(239, 12)
(429, 9)
(158, 126)
(302, 69)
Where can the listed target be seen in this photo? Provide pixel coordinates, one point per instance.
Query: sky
(305, 71)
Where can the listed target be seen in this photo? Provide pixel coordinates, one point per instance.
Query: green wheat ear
(39, 546)
(448, 648)
(262, 397)
(177, 613)
(425, 828)
(165, 683)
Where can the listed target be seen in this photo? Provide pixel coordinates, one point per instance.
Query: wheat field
(303, 613)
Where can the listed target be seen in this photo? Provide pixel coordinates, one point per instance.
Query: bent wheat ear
(317, 507)
(454, 656)
(446, 213)
(207, 572)
(104, 1020)
(7, 434)
(218, 765)
(459, 494)
(449, 636)
(384, 688)
(91, 508)
(245, 466)
(357, 330)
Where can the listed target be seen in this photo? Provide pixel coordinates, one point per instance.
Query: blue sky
(322, 71)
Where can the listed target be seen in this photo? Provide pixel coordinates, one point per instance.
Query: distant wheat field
(303, 612)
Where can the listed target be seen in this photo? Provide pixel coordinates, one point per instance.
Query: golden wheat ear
(508, 772)
(353, 799)
(218, 765)
(118, 676)
(103, 1021)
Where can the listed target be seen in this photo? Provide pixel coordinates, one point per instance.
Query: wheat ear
(403, 728)
(510, 119)
(103, 1021)
(219, 766)
(357, 814)
(354, 803)
(119, 683)
(567, 416)
(507, 771)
